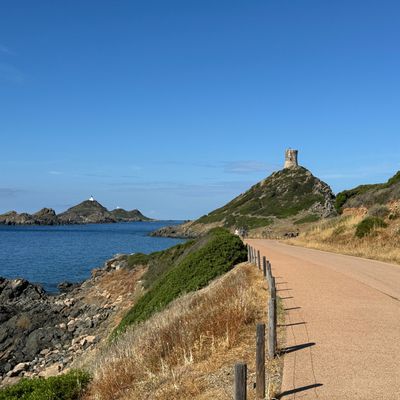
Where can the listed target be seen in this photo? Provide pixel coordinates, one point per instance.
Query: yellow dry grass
(338, 235)
(188, 351)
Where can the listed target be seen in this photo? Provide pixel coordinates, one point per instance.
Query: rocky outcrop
(13, 218)
(39, 332)
(87, 212)
(46, 216)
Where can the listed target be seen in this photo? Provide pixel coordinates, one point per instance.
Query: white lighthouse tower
(91, 198)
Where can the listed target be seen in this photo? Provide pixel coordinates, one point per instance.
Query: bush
(69, 386)
(218, 253)
(378, 210)
(367, 225)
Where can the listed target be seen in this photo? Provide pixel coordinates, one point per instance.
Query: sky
(175, 107)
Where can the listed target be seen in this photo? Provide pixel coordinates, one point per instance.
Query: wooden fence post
(240, 381)
(269, 274)
(258, 259)
(272, 327)
(260, 361)
(264, 267)
(273, 287)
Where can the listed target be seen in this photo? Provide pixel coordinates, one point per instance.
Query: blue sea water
(51, 254)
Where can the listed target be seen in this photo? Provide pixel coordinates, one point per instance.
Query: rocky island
(88, 212)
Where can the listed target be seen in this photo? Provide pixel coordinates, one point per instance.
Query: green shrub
(69, 386)
(367, 225)
(216, 254)
(378, 210)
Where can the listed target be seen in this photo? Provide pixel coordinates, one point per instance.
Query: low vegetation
(307, 219)
(190, 267)
(363, 236)
(160, 262)
(368, 225)
(369, 195)
(188, 350)
(69, 386)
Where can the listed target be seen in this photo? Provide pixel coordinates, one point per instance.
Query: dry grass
(189, 349)
(338, 235)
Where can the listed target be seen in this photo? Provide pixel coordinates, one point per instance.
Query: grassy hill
(284, 194)
(369, 195)
(287, 198)
(369, 224)
(123, 215)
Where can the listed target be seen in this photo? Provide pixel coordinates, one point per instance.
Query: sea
(48, 255)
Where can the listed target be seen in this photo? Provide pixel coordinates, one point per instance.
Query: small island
(88, 212)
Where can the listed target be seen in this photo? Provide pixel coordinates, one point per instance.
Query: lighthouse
(91, 198)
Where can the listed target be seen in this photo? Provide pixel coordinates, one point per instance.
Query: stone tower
(291, 158)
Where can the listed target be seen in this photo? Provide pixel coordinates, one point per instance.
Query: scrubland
(361, 234)
(188, 351)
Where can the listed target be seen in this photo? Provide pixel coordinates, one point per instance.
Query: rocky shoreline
(42, 334)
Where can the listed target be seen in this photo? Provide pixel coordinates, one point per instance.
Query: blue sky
(175, 107)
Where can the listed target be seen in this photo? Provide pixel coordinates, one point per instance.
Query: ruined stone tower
(291, 158)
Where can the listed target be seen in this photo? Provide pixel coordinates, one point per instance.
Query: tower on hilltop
(291, 158)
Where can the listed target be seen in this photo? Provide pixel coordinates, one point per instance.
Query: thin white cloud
(55, 172)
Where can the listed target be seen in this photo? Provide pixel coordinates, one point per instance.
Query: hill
(369, 195)
(86, 212)
(122, 215)
(368, 225)
(282, 201)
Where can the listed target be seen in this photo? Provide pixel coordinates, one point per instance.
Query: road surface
(342, 323)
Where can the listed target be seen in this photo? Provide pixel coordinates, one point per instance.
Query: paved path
(343, 324)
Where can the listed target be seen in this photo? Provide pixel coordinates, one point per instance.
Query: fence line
(240, 385)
